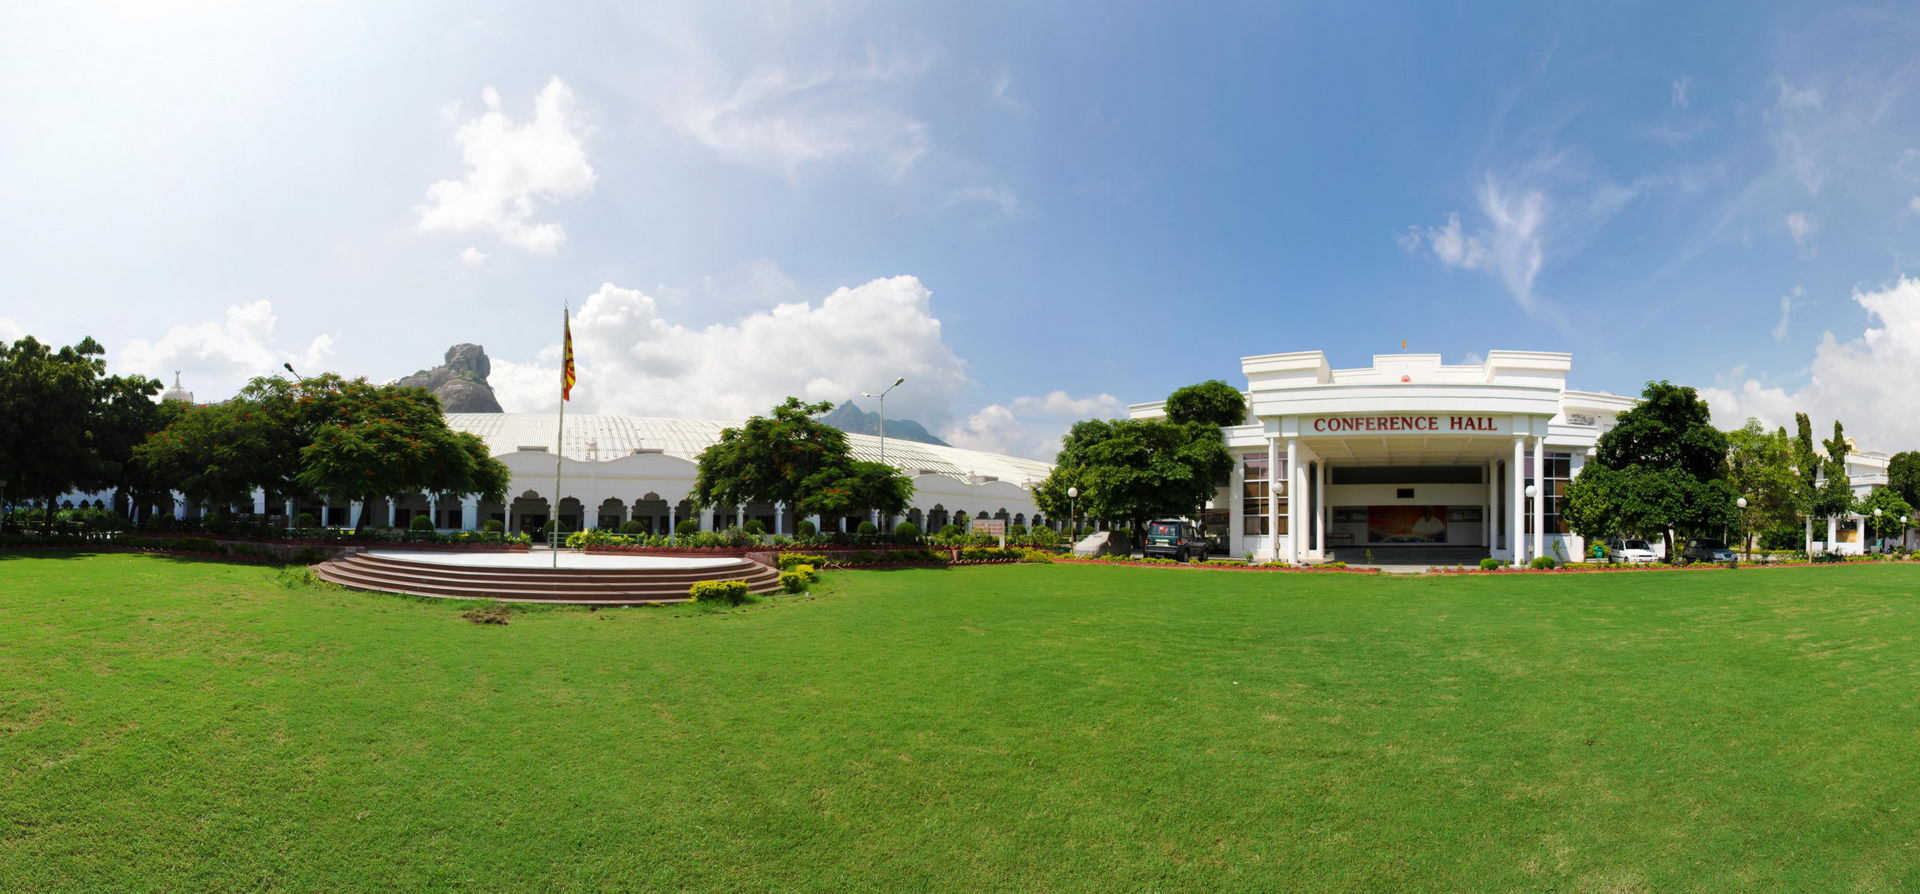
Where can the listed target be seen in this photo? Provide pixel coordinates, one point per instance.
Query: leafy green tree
(64, 423)
(1806, 461)
(1135, 470)
(792, 458)
(1760, 467)
(385, 439)
(1834, 497)
(1212, 402)
(1672, 467)
(1892, 506)
(1903, 475)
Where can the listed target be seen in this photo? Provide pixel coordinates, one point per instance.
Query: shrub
(1542, 563)
(1828, 558)
(719, 592)
(1490, 564)
(794, 581)
(632, 526)
(493, 526)
(755, 528)
(808, 571)
(790, 561)
(867, 528)
(950, 531)
(551, 526)
(906, 532)
(687, 528)
(420, 523)
(1016, 530)
(805, 529)
(1036, 556)
(305, 520)
(307, 555)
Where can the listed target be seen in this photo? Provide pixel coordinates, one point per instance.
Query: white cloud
(1787, 302)
(1677, 92)
(631, 359)
(512, 170)
(1913, 204)
(783, 119)
(1002, 91)
(216, 358)
(1511, 246)
(1802, 228)
(1032, 426)
(1865, 382)
(11, 331)
(473, 257)
(1793, 98)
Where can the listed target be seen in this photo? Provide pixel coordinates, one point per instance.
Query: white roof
(617, 436)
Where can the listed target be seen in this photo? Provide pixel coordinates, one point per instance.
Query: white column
(1540, 502)
(1576, 544)
(1237, 506)
(179, 506)
(1833, 531)
(259, 501)
(706, 518)
(1294, 477)
(1273, 499)
(779, 518)
(1326, 505)
(1807, 544)
(470, 513)
(673, 509)
(291, 507)
(1516, 519)
(393, 510)
(354, 507)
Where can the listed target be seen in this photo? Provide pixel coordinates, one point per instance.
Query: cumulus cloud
(632, 359)
(784, 118)
(1511, 246)
(11, 331)
(1030, 425)
(216, 358)
(1865, 382)
(1913, 204)
(512, 170)
(473, 257)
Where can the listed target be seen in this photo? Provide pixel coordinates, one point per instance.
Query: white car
(1632, 552)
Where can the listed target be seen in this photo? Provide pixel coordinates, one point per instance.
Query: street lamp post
(1876, 530)
(1745, 534)
(882, 396)
(1526, 518)
(1073, 525)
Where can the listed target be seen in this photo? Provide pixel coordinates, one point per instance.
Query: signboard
(994, 527)
(1405, 424)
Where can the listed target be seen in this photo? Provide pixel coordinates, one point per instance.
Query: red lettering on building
(1335, 424)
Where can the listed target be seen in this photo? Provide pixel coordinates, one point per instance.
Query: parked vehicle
(1703, 550)
(1175, 538)
(1632, 552)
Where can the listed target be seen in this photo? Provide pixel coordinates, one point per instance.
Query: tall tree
(1903, 475)
(1893, 508)
(1673, 464)
(382, 440)
(64, 423)
(790, 457)
(1135, 470)
(1212, 402)
(1835, 494)
(1760, 467)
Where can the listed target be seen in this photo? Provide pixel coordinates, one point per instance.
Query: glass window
(1255, 495)
(1558, 468)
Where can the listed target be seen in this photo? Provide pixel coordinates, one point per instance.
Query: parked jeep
(1176, 539)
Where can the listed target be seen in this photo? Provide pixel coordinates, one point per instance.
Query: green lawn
(192, 726)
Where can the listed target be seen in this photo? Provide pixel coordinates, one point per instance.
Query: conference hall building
(1418, 461)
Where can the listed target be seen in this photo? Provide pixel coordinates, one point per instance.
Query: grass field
(193, 726)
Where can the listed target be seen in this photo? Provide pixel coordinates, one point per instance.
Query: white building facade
(1409, 454)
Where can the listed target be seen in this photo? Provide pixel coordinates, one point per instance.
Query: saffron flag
(566, 360)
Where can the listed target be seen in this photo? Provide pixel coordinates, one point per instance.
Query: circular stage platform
(580, 578)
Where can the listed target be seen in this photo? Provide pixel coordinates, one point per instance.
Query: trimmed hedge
(794, 581)
(720, 592)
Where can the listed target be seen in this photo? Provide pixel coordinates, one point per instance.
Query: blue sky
(1034, 213)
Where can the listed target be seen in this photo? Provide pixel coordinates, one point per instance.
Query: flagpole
(559, 437)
